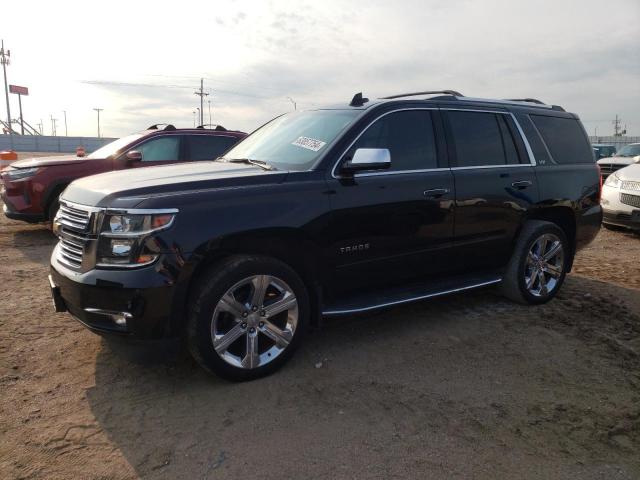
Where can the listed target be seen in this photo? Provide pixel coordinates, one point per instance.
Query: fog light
(119, 318)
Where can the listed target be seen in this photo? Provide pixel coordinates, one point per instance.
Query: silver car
(621, 198)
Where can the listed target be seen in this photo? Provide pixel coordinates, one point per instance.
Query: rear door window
(565, 139)
(208, 147)
(482, 139)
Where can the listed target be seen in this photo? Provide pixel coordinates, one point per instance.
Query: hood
(48, 161)
(127, 188)
(630, 173)
(618, 160)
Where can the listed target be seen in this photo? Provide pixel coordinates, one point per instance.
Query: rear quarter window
(565, 139)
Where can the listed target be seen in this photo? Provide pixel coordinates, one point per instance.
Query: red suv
(31, 187)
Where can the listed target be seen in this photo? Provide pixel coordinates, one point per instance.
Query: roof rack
(530, 100)
(430, 92)
(217, 128)
(167, 126)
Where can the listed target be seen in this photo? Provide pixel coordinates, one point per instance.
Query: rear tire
(247, 317)
(538, 265)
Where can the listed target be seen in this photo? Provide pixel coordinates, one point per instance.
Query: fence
(41, 143)
(617, 142)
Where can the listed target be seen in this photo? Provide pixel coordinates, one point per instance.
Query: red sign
(18, 90)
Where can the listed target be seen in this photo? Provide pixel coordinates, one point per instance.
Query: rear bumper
(102, 303)
(587, 226)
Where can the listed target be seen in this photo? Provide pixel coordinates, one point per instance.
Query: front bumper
(10, 212)
(135, 303)
(616, 212)
(622, 219)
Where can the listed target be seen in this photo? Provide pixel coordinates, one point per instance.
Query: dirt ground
(469, 386)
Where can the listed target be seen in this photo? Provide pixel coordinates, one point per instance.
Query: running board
(390, 297)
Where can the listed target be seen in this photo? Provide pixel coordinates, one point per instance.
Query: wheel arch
(562, 216)
(288, 245)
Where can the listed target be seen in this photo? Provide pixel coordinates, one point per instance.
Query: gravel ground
(469, 386)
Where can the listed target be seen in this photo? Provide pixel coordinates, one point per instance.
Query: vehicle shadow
(352, 396)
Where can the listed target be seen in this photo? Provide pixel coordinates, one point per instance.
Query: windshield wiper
(249, 161)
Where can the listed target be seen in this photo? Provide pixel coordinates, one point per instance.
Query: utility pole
(5, 60)
(53, 126)
(66, 133)
(40, 126)
(194, 119)
(209, 101)
(98, 110)
(295, 105)
(199, 115)
(617, 129)
(201, 94)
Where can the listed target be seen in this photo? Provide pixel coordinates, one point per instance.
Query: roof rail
(217, 128)
(167, 126)
(530, 100)
(430, 92)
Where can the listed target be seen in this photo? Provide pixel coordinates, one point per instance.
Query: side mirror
(368, 159)
(134, 156)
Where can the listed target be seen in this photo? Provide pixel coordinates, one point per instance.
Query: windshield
(294, 141)
(629, 150)
(113, 147)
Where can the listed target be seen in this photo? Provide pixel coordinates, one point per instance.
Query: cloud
(253, 55)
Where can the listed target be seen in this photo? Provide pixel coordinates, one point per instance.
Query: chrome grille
(73, 217)
(627, 185)
(70, 253)
(74, 227)
(628, 199)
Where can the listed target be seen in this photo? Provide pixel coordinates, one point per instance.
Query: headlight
(20, 173)
(125, 238)
(612, 181)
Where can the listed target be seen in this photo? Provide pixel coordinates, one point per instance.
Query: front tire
(538, 265)
(247, 317)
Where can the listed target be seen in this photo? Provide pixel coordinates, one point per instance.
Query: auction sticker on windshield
(309, 143)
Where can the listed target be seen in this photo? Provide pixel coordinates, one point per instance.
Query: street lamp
(295, 105)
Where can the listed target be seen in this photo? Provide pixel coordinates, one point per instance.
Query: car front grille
(71, 251)
(73, 217)
(76, 232)
(627, 185)
(608, 168)
(628, 199)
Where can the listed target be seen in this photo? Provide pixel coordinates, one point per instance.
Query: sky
(142, 61)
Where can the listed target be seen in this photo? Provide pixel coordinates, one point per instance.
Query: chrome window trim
(532, 160)
(544, 142)
(335, 166)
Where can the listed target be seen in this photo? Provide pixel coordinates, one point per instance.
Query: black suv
(328, 212)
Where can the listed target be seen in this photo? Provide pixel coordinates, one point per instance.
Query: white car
(621, 198)
(627, 155)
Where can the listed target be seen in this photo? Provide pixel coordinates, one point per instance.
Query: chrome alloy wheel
(545, 263)
(254, 321)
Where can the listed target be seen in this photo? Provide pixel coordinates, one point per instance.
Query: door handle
(522, 184)
(435, 192)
